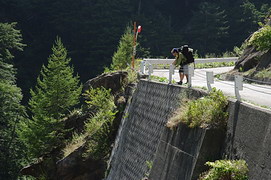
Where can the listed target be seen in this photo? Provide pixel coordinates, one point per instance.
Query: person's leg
(181, 76)
(185, 71)
(186, 75)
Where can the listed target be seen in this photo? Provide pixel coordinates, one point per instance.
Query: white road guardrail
(197, 61)
(209, 75)
(148, 61)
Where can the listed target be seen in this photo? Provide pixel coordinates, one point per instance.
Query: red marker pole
(134, 44)
(134, 47)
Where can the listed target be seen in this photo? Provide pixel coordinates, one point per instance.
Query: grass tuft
(208, 111)
(226, 169)
(77, 141)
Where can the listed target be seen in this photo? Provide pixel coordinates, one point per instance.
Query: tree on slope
(56, 92)
(208, 28)
(123, 56)
(11, 110)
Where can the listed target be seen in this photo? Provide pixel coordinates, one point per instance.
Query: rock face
(47, 162)
(113, 81)
(249, 59)
(265, 60)
(75, 167)
(254, 58)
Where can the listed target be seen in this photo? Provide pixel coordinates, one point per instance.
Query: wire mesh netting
(141, 128)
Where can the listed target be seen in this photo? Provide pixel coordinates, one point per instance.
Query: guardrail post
(142, 67)
(238, 86)
(190, 75)
(171, 72)
(150, 71)
(210, 80)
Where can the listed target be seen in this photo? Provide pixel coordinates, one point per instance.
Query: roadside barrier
(147, 65)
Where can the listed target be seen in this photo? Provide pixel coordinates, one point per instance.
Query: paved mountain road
(252, 93)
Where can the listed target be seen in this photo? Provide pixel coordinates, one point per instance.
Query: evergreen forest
(48, 44)
(91, 29)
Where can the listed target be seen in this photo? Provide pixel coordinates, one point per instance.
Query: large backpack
(188, 53)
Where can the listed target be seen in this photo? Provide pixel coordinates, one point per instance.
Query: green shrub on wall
(262, 38)
(98, 128)
(226, 170)
(208, 111)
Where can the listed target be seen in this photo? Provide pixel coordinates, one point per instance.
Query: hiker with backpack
(183, 57)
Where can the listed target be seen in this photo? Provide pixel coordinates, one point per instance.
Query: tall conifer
(56, 92)
(123, 56)
(208, 28)
(11, 110)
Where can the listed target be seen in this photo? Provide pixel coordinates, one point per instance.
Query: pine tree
(123, 56)
(11, 110)
(208, 28)
(252, 15)
(56, 92)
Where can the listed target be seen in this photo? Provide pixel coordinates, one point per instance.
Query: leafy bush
(149, 166)
(214, 65)
(262, 38)
(99, 127)
(204, 112)
(132, 76)
(265, 73)
(99, 99)
(99, 145)
(259, 74)
(238, 51)
(159, 79)
(226, 169)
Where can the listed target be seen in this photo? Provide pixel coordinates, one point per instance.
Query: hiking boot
(180, 83)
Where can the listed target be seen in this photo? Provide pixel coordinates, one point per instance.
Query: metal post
(134, 47)
(171, 72)
(142, 67)
(238, 86)
(150, 71)
(190, 75)
(210, 79)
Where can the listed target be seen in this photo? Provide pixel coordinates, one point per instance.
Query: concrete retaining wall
(139, 136)
(249, 138)
(181, 154)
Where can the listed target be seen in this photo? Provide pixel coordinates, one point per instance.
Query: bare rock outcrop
(252, 57)
(249, 59)
(113, 81)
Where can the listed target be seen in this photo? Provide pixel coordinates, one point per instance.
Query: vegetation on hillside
(98, 128)
(123, 56)
(11, 110)
(91, 29)
(256, 68)
(262, 38)
(226, 169)
(56, 92)
(208, 111)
